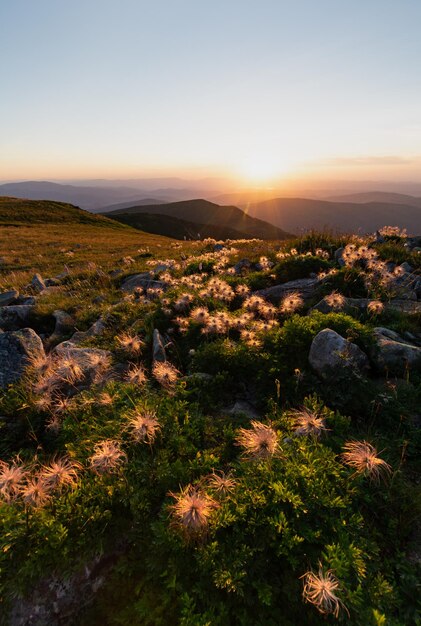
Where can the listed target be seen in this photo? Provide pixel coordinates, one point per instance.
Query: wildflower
(362, 456)
(335, 300)
(60, 473)
(242, 291)
(12, 477)
(144, 427)
(193, 508)
(200, 315)
(183, 302)
(320, 590)
(259, 442)
(221, 483)
(36, 493)
(254, 303)
(292, 302)
(108, 457)
(105, 399)
(375, 307)
(136, 375)
(165, 373)
(131, 344)
(308, 423)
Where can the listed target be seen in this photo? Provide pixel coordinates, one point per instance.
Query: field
(177, 452)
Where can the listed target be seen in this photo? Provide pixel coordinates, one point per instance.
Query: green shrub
(294, 267)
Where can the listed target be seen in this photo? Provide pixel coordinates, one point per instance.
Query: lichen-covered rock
(305, 286)
(394, 354)
(16, 349)
(331, 354)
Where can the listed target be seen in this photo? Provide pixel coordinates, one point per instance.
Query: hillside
(16, 211)
(298, 214)
(203, 212)
(176, 228)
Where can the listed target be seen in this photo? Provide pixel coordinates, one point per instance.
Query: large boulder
(15, 316)
(394, 354)
(17, 348)
(332, 355)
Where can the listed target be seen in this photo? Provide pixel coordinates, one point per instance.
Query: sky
(260, 90)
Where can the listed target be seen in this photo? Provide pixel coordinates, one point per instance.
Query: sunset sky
(258, 89)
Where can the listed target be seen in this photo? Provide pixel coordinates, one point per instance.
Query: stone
(143, 280)
(97, 328)
(64, 322)
(158, 347)
(393, 354)
(243, 407)
(16, 350)
(243, 264)
(8, 297)
(37, 283)
(305, 286)
(15, 316)
(331, 354)
(92, 361)
(338, 256)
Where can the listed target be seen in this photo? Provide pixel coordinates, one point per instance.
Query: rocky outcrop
(9, 297)
(331, 354)
(393, 354)
(16, 350)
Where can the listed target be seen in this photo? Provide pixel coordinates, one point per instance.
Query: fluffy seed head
(108, 457)
(131, 344)
(192, 509)
(60, 473)
(144, 427)
(12, 479)
(291, 302)
(165, 373)
(259, 442)
(320, 590)
(36, 493)
(362, 456)
(308, 423)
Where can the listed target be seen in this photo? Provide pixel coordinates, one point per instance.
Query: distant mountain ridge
(378, 196)
(201, 214)
(298, 214)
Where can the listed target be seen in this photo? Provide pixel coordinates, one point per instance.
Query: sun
(263, 170)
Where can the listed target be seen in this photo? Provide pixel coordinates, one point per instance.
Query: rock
(144, 280)
(27, 300)
(243, 264)
(64, 322)
(379, 238)
(8, 297)
(37, 283)
(115, 273)
(338, 256)
(305, 286)
(331, 354)
(158, 348)
(15, 316)
(242, 407)
(406, 267)
(97, 328)
(16, 349)
(218, 247)
(393, 354)
(92, 361)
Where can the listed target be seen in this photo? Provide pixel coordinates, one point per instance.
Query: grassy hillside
(204, 212)
(298, 214)
(16, 211)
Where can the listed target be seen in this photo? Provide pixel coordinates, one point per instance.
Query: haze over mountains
(362, 212)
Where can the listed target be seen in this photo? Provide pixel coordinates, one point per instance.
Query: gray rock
(331, 354)
(143, 280)
(379, 238)
(15, 316)
(338, 256)
(8, 297)
(158, 347)
(37, 283)
(97, 328)
(406, 267)
(305, 286)
(93, 362)
(393, 354)
(16, 349)
(64, 322)
(243, 264)
(242, 407)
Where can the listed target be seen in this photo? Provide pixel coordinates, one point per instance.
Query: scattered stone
(242, 407)
(64, 322)
(15, 316)
(8, 297)
(143, 280)
(243, 264)
(393, 354)
(16, 348)
(37, 283)
(97, 328)
(158, 347)
(331, 354)
(338, 256)
(115, 273)
(305, 286)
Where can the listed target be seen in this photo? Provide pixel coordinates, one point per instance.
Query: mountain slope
(298, 214)
(202, 212)
(378, 196)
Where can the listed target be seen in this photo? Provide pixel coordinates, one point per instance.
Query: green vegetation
(228, 484)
